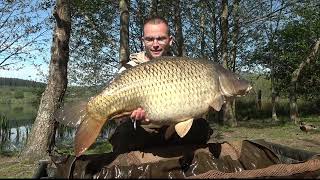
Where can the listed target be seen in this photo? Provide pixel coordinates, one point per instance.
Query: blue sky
(28, 70)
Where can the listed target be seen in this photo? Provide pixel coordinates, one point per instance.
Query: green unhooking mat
(239, 159)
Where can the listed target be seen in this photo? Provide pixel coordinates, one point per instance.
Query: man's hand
(140, 115)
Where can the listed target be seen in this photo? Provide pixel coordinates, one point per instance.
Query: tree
(94, 43)
(124, 32)
(212, 7)
(298, 45)
(42, 135)
(23, 28)
(279, 48)
(228, 114)
(178, 30)
(294, 81)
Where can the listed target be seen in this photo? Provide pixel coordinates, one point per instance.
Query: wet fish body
(171, 90)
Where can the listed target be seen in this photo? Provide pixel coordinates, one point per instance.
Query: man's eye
(161, 38)
(149, 39)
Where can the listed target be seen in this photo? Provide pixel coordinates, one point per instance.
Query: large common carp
(172, 91)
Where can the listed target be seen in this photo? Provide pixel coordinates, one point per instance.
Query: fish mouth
(248, 89)
(245, 92)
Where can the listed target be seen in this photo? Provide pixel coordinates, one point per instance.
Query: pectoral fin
(217, 103)
(182, 128)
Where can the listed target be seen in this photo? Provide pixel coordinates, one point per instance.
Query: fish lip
(247, 91)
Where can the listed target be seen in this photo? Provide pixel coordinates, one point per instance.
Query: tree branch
(98, 29)
(311, 57)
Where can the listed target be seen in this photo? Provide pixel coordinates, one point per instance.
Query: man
(156, 41)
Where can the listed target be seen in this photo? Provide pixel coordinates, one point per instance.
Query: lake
(16, 123)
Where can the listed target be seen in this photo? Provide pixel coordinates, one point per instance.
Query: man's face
(156, 40)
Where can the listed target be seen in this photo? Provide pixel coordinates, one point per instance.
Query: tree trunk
(293, 103)
(124, 32)
(202, 30)
(214, 31)
(274, 99)
(154, 7)
(211, 113)
(273, 92)
(224, 33)
(178, 29)
(141, 19)
(43, 131)
(294, 82)
(259, 106)
(228, 115)
(235, 34)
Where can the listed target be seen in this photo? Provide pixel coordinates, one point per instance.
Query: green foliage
(19, 95)
(13, 82)
(294, 45)
(96, 148)
(99, 148)
(246, 108)
(94, 42)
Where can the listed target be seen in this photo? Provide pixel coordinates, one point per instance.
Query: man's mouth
(156, 52)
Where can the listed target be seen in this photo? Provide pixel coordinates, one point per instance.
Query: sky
(29, 71)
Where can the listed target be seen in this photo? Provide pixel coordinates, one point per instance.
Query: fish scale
(171, 90)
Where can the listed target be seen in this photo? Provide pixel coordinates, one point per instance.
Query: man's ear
(142, 40)
(171, 40)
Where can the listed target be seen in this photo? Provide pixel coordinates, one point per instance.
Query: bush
(19, 94)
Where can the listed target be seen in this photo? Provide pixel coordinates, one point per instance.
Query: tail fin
(87, 133)
(72, 114)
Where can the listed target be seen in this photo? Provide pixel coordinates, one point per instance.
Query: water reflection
(16, 123)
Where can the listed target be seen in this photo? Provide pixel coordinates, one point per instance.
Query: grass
(281, 132)
(12, 167)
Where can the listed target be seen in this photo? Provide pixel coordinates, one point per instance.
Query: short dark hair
(156, 19)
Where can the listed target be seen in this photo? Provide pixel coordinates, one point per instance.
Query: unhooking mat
(238, 159)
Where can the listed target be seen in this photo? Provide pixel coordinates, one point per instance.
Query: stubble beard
(164, 52)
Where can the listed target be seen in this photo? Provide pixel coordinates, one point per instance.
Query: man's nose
(155, 45)
(155, 42)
